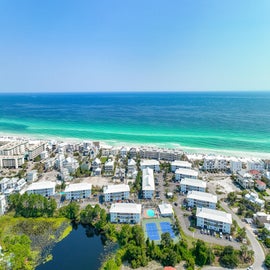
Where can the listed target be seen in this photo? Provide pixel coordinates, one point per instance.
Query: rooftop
(41, 185)
(212, 214)
(193, 182)
(126, 208)
(186, 172)
(116, 188)
(181, 163)
(148, 182)
(78, 187)
(202, 196)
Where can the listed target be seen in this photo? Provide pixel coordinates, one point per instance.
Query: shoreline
(114, 143)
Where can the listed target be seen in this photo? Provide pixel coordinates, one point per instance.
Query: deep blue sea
(194, 121)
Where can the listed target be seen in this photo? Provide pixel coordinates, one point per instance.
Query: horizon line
(129, 91)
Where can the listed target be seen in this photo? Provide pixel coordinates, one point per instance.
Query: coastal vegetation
(27, 242)
(34, 225)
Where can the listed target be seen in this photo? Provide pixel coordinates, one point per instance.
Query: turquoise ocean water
(201, 121)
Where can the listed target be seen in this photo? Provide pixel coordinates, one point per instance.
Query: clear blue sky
(127, 45)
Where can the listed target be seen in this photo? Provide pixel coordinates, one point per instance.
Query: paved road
(259, 255)
(197, 235)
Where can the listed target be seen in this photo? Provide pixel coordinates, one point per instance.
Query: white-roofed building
(188, 184)
(245, 179)
(150, 163)
(148, 183)
(201, 199)
(185, 173)
(254, 198)
(35, 149)
(211, 163)
(116, 192)
(32, 176)
(46, 188)
(132, 166)
(212, 219)
(165, 210)
(96, 164)
(255, 164)
(180, 164)
(78, 191)
(11, 161)
(125, 213)
(235, 165)
(109, 166)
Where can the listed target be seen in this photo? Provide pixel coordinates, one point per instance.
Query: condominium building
(160, 153)
(78, 191)
(212, 219)
(148, 183)
(201, 199)
(254, 164)
(211, 163)
(180, 164)
(150, 163)
(125, 213)
(13, 148)
(46, 188)
(116, 192)
(11, 161)
(36, 149)
(188, 184)
(185, 173)
(235, 165)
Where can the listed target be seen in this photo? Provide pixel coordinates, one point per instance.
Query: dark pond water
(81, 249)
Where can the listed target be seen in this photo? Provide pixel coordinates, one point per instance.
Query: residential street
(259, 255)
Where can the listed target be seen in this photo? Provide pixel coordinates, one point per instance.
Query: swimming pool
(150, 213)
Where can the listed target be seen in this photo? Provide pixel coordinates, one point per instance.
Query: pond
(83, 248)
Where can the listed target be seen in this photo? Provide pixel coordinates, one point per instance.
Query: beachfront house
(212, 219)
(148, 183)
(201, 199)
(185, 173)
(132, 152)
(123, 152)
(125, 213)
(235, 165)
(255, 164)
(150, 163)
(78, 191)
(188, 184)
(116, 192)
(46, 188)
(180, 164)
(211, 163)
